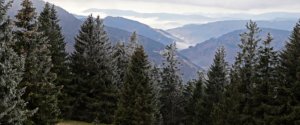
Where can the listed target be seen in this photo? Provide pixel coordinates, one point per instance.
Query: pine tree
(38, 79)
(12, 107)
(171, 98)
(217, 80)
(93, 74)
(290, 69)
(48, 24)
(136, 105)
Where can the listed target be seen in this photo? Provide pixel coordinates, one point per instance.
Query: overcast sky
(204, 7)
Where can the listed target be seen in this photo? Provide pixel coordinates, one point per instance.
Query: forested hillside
(102, 82)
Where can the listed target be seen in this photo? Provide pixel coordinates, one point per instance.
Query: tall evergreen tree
(155, 75)
(48, 24)
(217, 80)
(92, 72)
(133, 44)
(172, 90)
(136, 106)
(290, 69)
(12, 107)
(188, 95)
(26, 25)
(120, 62)
(245, 63)
(79, 70)
(267, 77)
(38, 79)
(229, 112)
(195, 112)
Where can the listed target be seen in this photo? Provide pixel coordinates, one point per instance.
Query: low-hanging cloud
(230, 4)
(180, 12)
(225, 4)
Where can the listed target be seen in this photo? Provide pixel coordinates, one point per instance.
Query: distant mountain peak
(203, 53)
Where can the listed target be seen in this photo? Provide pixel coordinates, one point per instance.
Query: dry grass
(73, 123)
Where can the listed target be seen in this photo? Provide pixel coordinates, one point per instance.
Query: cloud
(229, 4)
(168, 13)
(183, 6)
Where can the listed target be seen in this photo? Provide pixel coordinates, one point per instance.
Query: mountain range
(172, 20)
(203, 53)
(118, 29)
(197, 33)
(197, 42)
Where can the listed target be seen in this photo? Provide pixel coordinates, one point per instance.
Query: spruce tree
(217, 80)
(290, 70)
(246, 62)
(195, 111)
(136, 105)
(171, 98)
(267, 77)
(38, 79)
(12, 107)
(92, 70)
(133, 44)
(26, 25)
(48, 24)
(79, 70)
(155, 75)
(120, 62)
(188, 94)
(228, 109)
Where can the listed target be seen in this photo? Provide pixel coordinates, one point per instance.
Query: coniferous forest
(114, 83)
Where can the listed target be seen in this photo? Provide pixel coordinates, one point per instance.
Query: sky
(148, 11)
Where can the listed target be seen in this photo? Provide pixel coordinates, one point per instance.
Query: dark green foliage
(245, 68)
(206, 105)
(290, 70)
(217, 80)
(133, 44)
(156, 80)
(120, 62)
(92, 74)
(188, 95)
(195, 112)
(228, 109)
(26, 25)
(217, 77)
(41, 93)
(12, 108)
(136, 105)
(48, 24)
(172, 99)
(266, 82)
(101, 84)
